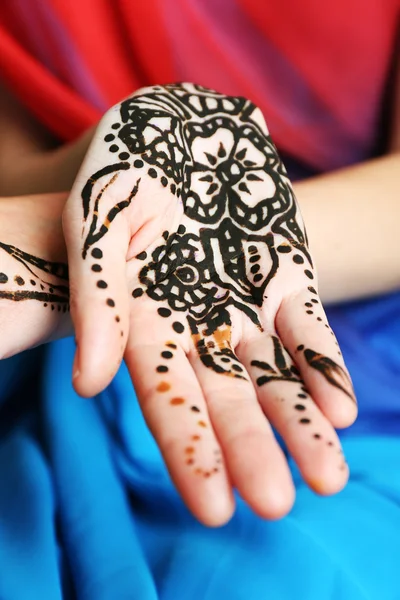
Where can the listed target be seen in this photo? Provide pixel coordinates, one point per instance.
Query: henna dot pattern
(178, 327)
(177, 401)
(284, 248)
(163, 386)
(97, 253)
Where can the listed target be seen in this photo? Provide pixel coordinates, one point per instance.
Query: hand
(34, 302)
(188, 256)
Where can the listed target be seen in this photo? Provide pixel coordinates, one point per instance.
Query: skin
(30, 164)
(212, 431)
(267, 489)
(212, 420)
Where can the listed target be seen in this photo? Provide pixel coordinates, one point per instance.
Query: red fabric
(69, 115)
(122, 44)
(355, 38)
(341, 50)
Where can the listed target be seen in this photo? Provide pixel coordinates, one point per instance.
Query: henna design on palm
(225, 256)
(212, 153)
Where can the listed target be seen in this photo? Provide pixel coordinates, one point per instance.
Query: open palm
(188, 257)
(183, 196)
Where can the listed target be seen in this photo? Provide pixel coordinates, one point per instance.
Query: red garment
(316, 69)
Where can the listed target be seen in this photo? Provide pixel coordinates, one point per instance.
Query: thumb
(97, 235)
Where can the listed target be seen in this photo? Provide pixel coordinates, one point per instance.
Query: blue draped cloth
(87, 509)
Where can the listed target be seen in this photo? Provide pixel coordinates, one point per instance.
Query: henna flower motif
(178, 273)
(234, 174)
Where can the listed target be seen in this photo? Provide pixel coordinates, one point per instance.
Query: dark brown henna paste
(331, 371)
(210, 151)
(281, 371)
(52, 293)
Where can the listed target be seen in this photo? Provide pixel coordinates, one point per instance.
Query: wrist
(45, 171)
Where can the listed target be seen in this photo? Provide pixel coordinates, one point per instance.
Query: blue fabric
(369, 335)
(88, 511)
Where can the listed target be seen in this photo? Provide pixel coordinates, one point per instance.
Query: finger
(97, 235)
(308, 435)
(256, 463)
(175, 411)
(304, 330)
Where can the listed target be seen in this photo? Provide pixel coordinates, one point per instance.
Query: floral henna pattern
(212, 154)
(32, 278)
